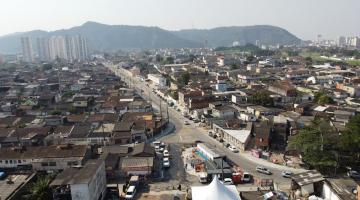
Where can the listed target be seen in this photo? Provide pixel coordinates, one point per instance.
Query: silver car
(263, 170)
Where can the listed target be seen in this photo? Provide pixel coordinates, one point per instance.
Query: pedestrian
(179, 187)
(186, 166)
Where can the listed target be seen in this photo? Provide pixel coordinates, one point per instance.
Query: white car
(263, 170)
(186, 123)
(166, 162)
(233, 149)
(286, 174)
(157, 148)
(130, 193)
(156, 143)
(228, 181)
(166, 153)
(246, 177)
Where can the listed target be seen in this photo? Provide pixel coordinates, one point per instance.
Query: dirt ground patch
(146, 196)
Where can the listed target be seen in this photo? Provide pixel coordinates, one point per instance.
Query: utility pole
(222, 168)
(167, 113)
(160, 110)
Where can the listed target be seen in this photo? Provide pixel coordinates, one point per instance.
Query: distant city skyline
(306, 19)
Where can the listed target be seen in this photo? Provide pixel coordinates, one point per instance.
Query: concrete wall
(94, 189)
(328, 193)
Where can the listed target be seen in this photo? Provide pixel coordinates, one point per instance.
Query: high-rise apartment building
(58, 48)
(1, 59)
(27, 51)
(43, 49)
(342, 41)
(69, 48)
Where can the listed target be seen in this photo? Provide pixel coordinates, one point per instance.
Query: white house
(87, 183)
(238, 138)
(157, 79)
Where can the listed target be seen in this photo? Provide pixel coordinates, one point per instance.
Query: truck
(203, 177)
(240, 176)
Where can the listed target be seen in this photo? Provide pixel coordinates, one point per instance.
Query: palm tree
(40, 189)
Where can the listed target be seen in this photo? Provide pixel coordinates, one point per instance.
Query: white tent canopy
(215, 191)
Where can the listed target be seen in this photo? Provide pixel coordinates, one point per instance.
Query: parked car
(156, 143)
(166, 162)
(228, 181)
(211, 134)
(157, 148)
(353, 174)
(286, 174)
(227, 145)
(186, 123)
(166, 153)
(233, 149)
(221, 140)
(263, 170)
(130, 193)
(246, 177)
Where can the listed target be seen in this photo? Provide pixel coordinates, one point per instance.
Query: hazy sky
(304, 18)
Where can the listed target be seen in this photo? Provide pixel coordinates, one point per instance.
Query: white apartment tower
(69, 48)
(27, 51)
(58, 48)
(43, 49)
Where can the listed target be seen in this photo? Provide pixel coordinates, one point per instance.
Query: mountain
(115, 37)
(225, 36)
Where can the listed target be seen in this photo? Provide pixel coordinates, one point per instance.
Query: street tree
(318, 145)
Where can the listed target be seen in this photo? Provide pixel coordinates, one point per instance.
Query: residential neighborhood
(180, 100)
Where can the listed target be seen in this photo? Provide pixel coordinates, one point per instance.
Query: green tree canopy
(262, 98)
(40, 189)
(350, 142)
(46, 67)
(322, 98)
(185, 78)
(318, 145)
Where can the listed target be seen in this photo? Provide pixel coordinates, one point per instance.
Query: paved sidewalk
(268, 164)
(258, 161)
(170, 127)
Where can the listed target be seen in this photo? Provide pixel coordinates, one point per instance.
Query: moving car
(263, 170)
(130, 193)
(233, 149)
(166, 153)
(166, 162)
(286, 174)
(354, 174)
(228, 181)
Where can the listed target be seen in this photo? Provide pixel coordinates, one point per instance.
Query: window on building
(11, 162)
(15, 161)
(52, 163)
(44, 164)
(6, 161)
(19, 161)
(24, 161)
(0, 161)
(72, 163)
